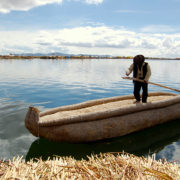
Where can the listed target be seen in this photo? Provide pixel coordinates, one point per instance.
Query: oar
(135, 79)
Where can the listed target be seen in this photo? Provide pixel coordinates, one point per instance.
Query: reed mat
(103, 166)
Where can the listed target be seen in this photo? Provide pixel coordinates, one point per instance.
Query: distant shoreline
(78, 57)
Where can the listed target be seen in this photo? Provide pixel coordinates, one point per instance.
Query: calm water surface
(51, 83)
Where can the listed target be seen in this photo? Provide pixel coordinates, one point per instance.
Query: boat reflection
(148, 141)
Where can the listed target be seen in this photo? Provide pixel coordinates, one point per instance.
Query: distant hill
(42, 54)
(59, 54)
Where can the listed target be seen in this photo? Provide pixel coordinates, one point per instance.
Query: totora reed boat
(103, 118)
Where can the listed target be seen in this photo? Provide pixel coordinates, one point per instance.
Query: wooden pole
(135, 79)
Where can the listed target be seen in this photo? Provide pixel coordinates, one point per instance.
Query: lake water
(52, 83)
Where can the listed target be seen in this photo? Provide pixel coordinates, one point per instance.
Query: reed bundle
(103, 166)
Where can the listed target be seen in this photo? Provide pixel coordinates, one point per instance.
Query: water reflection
(145, 142)
(14, 138)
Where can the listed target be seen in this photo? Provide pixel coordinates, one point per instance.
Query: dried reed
(103, 166)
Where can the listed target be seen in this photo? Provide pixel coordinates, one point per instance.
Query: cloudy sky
(114, 27)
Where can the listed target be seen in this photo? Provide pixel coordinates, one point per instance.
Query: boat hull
(127, 121)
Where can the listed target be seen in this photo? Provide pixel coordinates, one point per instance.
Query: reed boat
(102, 118)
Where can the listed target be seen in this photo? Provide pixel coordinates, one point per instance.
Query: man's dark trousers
(137, 89)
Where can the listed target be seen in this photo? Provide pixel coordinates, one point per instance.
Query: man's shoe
(136, 102)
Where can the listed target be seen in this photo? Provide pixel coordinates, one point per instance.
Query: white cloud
(89, 1)
(132, 11)
(157, 28)
(168, 43)
(10, 5)
(7, 6)
(94, 1)
(91, 40)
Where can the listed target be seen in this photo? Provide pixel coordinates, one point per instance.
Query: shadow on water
(148, 141)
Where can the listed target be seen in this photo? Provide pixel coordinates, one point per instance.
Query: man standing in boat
(142, 71)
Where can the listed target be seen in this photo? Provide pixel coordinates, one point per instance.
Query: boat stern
(32, 120)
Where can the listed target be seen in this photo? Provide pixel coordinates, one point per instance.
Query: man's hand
(127, 74)
(145, 81)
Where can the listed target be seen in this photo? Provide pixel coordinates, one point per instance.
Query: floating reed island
(104, 166)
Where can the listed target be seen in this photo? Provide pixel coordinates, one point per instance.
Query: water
(52, 83)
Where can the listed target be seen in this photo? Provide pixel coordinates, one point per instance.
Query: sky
(96, 27)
